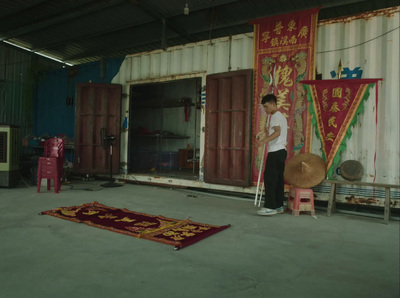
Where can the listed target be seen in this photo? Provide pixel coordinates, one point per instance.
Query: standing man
(273, 174)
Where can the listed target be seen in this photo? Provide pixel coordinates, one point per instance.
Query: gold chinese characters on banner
(334, 107)
(284, 55)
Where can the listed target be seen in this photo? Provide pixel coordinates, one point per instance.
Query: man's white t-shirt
(277, 119)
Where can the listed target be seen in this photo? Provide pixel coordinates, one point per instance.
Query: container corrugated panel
(14, 68)
(215, 56)
(15, 87)
(371, 43)
(19, 72)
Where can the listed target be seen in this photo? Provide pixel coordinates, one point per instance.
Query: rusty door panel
(228, 121)
(97, 106)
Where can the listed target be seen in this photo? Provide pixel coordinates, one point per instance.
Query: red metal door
(227, 157)
(97, 106)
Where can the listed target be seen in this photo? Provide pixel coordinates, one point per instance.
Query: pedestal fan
(108, 141)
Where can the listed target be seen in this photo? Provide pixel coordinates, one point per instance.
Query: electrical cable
(329, 51)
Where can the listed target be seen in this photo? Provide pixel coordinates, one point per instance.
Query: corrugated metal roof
(87, 30)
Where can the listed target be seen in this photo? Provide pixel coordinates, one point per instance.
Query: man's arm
(276, 133)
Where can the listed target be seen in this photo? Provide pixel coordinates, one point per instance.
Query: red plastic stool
(48, 169)
(301, 199)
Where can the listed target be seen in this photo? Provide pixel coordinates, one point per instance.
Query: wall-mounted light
(186, 9)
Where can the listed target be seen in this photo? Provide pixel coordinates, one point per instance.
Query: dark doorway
(164, 128)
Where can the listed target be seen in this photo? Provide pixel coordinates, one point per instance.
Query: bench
(332, 195)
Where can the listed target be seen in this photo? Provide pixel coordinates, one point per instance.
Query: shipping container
(368, 42)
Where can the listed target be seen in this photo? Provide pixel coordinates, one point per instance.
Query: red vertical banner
(284, 54)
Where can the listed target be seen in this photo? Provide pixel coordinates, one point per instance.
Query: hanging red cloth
(186, 102)
(186, 111)
(334, 105)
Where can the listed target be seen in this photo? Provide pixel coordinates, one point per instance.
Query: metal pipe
(259, 176)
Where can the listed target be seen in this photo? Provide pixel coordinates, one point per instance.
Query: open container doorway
(164, 134)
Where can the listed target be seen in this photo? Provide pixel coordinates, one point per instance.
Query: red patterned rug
(179, 233)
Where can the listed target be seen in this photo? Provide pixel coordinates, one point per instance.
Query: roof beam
(155, 14)
(89, 36)
(61, 17)
(176, 31)
(21, 7)
(239, 22)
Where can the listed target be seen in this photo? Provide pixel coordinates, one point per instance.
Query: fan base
(111, 184)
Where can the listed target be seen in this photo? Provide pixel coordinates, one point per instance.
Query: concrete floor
(278, 256)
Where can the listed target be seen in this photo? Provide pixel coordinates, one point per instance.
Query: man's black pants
(273, 179)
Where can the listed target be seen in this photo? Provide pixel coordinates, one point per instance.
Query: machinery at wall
(9, 155)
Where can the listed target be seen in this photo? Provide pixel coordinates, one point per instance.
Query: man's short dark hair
(271, 98)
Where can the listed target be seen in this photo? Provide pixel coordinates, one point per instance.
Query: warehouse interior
(48, 48)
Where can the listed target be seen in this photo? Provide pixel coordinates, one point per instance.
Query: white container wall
(370, 42)
(373, 45)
